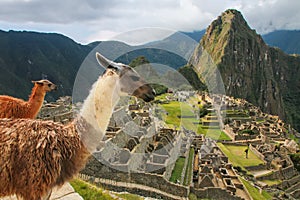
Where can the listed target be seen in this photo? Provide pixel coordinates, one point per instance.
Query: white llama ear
(38, 82)
(106, 63)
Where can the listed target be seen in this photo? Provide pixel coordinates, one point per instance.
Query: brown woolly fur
(39, 155)
(11, 107)
(36, 155)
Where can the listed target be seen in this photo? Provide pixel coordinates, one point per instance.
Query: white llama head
(129, 81)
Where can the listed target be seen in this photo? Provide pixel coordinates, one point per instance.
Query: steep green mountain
(192, 77)
(250, 69)
(26, 56)
(287, 40)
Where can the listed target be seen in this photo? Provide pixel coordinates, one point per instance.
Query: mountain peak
(229, 26)
(231, 17)
(249, 68)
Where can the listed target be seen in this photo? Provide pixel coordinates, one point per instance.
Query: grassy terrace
(189, 169)
(272, 182)
(91, 192)
(179, 165)
(255, 193)
(188, 120)
(217, 134)
(177, 171)
(237, 156)
(236, 114)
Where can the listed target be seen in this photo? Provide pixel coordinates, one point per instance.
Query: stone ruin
(60, 111)
(134, 146)
(212, 170)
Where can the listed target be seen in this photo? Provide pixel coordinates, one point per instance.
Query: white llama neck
(98, 107)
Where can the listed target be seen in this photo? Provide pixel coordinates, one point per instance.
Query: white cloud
(90, 20)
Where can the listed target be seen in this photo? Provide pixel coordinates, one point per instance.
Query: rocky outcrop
(233, 59)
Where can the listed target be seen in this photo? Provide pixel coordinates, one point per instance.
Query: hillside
(26, 56)
(286, 40)
(250, 69)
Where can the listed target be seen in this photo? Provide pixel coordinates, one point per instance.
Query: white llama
(38, 155)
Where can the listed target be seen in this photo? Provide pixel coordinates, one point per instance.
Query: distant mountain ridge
(196, 35)
(250, 69)
(287, 40)
(26, 56)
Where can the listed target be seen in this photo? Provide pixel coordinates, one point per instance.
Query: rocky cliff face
(248, 68)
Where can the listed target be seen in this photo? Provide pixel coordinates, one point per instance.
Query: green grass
(89, 191)
(217, 134)
(175, 109)
(272, 182)
(161, 97)
(129, 196)
(293, 137)
(254, 192)
(236, 114)
(192, 196)
(237, 156)
(189, 169)
(260, 120)
(176, 173)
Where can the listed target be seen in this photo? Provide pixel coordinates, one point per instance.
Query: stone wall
(120, 139)
(174, 154)
(158, 182)
(287, 183)
(256, 167)
(156, 186)
(145, 179)
(285, 173)
(136, 161)
(257, 153)
(229, 131)
(244, 137)
(213, 193)
(168, 173)
(288, 172)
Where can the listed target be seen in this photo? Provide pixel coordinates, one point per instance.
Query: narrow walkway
(138, 186)
(66, 192)
(260, 173)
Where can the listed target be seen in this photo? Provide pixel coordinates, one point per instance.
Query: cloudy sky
(90, 20)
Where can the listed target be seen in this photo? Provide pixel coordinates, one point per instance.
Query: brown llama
(38, 155)
(11, 107)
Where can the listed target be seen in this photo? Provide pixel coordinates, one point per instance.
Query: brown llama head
(130, 83)
(46, 85)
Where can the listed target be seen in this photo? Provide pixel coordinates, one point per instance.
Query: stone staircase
(294, 190)
(294, 187)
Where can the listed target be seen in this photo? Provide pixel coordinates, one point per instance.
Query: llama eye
(135, 78)
(49, 85)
